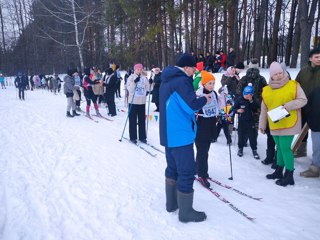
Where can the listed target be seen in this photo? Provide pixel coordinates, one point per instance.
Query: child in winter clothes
(287, 93)
(246, 107)
(206, 126)
(137, 86)
(225, 102)
(88, 92)
(68, 88)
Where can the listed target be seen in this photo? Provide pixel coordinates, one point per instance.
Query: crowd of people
(192, 112)
(198, 115)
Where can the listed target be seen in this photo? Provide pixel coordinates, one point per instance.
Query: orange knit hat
(206, 77)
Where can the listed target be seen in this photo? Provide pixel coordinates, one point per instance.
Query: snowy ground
(63, 178)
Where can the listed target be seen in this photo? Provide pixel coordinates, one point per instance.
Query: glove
(150, 81)
(137, 79)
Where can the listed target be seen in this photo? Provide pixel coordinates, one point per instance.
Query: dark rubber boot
(69, 115)
(287, 179)
(171, 195)
(186, 211)
(277, 174)
(269, 158)
(75, 113)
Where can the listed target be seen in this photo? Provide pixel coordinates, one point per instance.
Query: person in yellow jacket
(286, 93)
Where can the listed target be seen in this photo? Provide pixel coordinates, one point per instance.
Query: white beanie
(275, 68)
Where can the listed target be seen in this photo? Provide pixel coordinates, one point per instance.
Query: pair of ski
(96, 121)
(147, 147)
(232, 206)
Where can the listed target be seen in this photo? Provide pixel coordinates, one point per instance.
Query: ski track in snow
(63, 178)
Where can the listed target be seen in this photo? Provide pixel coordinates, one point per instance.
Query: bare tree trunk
(196, 23)
(236, 33)
(317, 40)
(258, 33)
(296, 39)
(274, 45)
(186, 25)
(231, 5)
(2, 30)
(306, 22)
(79, 46)
(244, 30)
(294, 5)
(266, 42)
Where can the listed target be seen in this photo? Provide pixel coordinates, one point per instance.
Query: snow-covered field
(63, 178)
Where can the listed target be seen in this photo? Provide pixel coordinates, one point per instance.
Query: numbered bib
(140, 89)
(210, 109)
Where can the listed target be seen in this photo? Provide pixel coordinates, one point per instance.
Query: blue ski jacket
(178, 104)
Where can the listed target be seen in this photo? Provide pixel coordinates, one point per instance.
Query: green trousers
(284, 153)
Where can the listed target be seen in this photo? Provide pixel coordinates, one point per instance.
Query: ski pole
(148, 109)
(230, 178)
(130, 106)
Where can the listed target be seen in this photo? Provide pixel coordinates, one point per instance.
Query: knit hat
(109, 71)
(206, 77)
(186, 60)
(138, 66)
(248, 89)
(200, 66)
(275, 68)
(254, 63)
(71, 71)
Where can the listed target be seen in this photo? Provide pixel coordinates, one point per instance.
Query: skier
(178, 104)
(137, 86)
(206, 126)
(88, 92)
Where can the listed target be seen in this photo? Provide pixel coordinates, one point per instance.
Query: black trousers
(202, 158)
(270, 141)
(247, 129)
(21, 92)
(225, 126)
(137, 112)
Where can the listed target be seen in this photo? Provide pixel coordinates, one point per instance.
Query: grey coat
(69, 83)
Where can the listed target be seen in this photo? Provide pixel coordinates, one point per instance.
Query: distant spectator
(3, 86)
(209, 61)
(223, 61)
(194, 56)
(231, 57)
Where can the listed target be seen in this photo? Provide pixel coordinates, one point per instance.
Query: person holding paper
(287, 93)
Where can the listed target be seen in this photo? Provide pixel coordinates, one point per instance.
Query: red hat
(200, 66)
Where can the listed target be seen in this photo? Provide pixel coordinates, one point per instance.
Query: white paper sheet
(278, 113)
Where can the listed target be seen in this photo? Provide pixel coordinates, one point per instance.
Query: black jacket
(111, 87)
(249, 109)
(20, 82)
(313, 112)
(156, 87)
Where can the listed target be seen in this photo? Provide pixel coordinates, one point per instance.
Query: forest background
(49, 36)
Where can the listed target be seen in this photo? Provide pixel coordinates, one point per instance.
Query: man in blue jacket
(178, 104)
